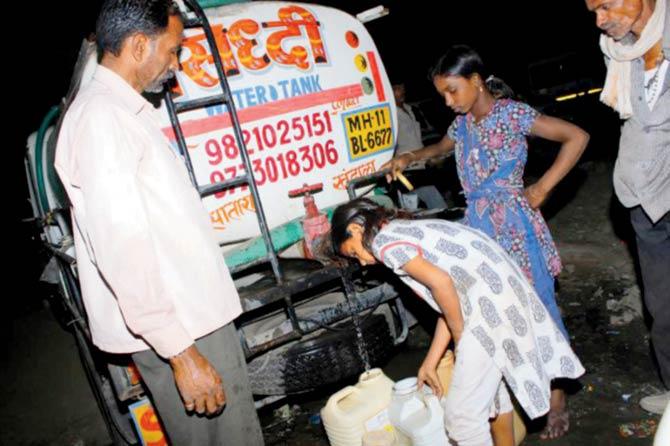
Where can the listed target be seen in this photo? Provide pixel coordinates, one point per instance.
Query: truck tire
(325, 357)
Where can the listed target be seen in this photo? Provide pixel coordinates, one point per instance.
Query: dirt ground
(45, 399)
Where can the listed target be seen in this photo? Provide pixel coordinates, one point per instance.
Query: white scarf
(617, 90)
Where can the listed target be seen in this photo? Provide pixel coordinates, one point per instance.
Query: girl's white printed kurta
(500, 308)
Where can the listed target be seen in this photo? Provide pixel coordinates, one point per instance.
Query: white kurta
(500, 308)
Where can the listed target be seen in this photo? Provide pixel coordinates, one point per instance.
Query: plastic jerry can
(355, 410)
(417, 414)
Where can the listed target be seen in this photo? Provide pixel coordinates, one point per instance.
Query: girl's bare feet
(558, 419)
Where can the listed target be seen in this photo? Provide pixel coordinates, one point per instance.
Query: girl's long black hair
(364, 212)
(462, 60)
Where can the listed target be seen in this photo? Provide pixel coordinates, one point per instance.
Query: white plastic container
(355, 410)
(378, 438)
(418, 415)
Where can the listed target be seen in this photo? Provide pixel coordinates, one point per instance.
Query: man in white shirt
(409, 129)
(153, 280)
(409, 140)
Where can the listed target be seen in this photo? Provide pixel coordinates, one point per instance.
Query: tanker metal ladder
(199, 20)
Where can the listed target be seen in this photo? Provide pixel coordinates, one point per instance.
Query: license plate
(368, 131)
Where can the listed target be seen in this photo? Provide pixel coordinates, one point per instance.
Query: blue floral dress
(490, 158)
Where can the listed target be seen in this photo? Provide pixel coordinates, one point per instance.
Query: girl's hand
(536, 195)
(397, 164)
(427, 374)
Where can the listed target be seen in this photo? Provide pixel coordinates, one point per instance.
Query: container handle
(339, 396)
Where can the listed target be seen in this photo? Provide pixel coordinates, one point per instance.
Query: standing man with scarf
(636, 44)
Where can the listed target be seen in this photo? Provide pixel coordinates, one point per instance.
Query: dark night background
(509, 35)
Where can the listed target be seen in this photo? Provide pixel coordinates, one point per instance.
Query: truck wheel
(325, 357)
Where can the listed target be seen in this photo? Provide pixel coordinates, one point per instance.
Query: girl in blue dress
(488, 138)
